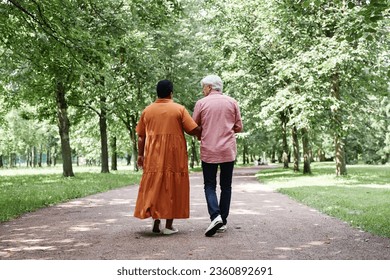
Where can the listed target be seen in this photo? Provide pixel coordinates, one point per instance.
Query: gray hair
(214, 81)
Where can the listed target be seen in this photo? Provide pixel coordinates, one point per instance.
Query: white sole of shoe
(213, 227)
(167, 231)
(222, 229)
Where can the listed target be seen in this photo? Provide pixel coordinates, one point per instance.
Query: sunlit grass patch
(324, 174)
(361, 198)
(24, 193)
(364, 208)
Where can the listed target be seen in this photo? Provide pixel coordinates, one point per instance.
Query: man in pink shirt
(220, 118)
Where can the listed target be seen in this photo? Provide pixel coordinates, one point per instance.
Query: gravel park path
(263, 224)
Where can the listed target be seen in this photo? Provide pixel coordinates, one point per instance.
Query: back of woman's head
(164, 88)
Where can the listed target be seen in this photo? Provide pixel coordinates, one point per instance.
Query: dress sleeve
(188, 123)
(141, 130)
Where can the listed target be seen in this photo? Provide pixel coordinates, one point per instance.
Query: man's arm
(196, 117)
(141, 147)
(238, 123)
(189, 124)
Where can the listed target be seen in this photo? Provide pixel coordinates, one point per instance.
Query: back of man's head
(213, 80)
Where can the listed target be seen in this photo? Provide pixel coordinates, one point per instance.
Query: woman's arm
(141, 147)
(197, 131)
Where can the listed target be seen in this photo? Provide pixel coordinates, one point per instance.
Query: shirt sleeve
(196, 114)
(188, 123)
(238, 126)
(140, 129)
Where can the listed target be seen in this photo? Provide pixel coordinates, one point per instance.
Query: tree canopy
(311, 76)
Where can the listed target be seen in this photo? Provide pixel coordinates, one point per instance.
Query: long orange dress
(164, 187)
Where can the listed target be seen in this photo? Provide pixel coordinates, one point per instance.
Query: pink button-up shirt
(220, 118)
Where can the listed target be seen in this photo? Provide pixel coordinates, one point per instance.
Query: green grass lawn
(43, 187)
(361, 198)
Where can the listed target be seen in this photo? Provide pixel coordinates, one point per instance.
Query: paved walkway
(263, 224)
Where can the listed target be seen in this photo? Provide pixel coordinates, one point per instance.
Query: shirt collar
(215, 92)
(163, 100)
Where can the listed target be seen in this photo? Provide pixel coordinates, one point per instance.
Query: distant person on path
(220, 118)
(162, 149)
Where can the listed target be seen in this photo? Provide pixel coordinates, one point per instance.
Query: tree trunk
(130, 121)
(281, 157)
(294, 134)
(40, 157)
(340, 157)
(341, 168)
(103, 135)
(245, 153)
(134, 156)
(128, 159)
(63, 127)
(194, 157)
(54, 156)
(321, 155)
(1, 161)
(114, 154)
(283, 119)
(135, 145)
(273, 155)
(306, 152)
(48, 157)
(134, 140)
(28, 159)
(34, 156)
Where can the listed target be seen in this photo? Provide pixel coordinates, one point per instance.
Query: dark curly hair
(164, 88)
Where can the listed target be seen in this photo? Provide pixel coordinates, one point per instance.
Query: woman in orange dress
(164, 187)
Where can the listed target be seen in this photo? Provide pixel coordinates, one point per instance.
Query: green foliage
(275, 57)
(284, 54)
(17, 138)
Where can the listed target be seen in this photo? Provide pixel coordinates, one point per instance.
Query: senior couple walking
(164, 188)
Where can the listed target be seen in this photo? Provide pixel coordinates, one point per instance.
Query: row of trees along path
(311, 76)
